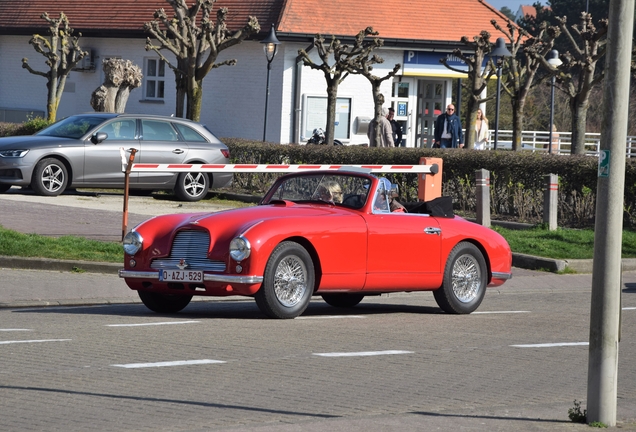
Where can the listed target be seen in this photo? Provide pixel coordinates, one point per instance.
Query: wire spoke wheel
(466, 278)
(290, 281)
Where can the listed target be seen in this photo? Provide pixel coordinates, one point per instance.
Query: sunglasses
(450, 109)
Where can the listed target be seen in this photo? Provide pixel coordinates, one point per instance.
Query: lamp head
(553, 59)
(500, 49)
(271, 44)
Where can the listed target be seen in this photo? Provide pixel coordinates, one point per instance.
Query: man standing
(395, 126)
(386, 133)
(448, 129)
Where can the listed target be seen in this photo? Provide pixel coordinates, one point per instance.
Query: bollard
(550, 201)
(482, 192)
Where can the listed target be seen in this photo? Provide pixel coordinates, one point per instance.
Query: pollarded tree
(338, 60)
(363, 65)
(528, 55)
(579, 75)
(120, 78)
(62, 52)
(195, 41)
(478, 78)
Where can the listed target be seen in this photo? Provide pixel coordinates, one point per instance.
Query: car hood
(31, 142)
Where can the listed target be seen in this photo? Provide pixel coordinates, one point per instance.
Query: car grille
(191, 246)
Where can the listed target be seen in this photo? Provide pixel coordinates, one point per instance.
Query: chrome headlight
(13, 153)
(240, 248)
(133, 241)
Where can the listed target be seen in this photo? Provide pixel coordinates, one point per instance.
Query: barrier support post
(482, 192)
(550, 201)
(429, 186)
(124, 224)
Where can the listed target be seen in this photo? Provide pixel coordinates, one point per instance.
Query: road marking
(170, 363)
(152, 324)
(362, 353)
(500, 312)
(550, 345)
(33, 341)
(10, 330)
(629, 308)
(330, 317)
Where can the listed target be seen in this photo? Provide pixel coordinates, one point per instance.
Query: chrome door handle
(177, 151)
(432, 230)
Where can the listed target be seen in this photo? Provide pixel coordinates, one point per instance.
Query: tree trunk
(195, 96)
(330, 129)
(578, 109)
(471, 116)
(517, 123)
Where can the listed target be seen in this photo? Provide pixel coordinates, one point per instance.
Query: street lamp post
(271, 46)
(498, 53)
(554, 61)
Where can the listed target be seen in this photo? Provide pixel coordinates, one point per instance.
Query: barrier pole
(124, 224)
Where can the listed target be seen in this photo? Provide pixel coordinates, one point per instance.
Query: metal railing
(537, 141)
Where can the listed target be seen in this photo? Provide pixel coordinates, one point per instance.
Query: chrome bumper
(499, 275)
(134, 274)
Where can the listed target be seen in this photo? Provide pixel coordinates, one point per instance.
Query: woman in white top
(481, 131)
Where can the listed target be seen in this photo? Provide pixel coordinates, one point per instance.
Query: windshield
(73, 127)
(335, 189)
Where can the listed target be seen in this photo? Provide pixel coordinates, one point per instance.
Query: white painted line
(629, 308)
(152, 324)
(550, 345)
(33, 341)
(362, 353)
(330, 317)
(11, 330)
(499, 312)
(170, 363)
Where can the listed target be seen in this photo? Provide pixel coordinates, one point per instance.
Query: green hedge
(517, 179)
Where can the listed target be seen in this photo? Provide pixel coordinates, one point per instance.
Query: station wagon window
(120, 130)
(154, 79)
(153, 130)
(189, 134)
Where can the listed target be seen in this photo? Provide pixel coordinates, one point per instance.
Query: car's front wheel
(342, 300)
(50, 177)
(192, 186)
(164, 303)
(288, 282)
(465, 280)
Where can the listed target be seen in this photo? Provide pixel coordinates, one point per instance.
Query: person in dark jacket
(397, 130)
(448, 129)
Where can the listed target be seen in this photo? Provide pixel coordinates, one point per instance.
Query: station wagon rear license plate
(181, 275)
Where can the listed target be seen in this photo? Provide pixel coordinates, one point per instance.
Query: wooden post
(429, 186)
(124, 225)
(482, 192)
(550, 201)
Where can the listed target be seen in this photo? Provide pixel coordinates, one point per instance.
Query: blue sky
(513, 5)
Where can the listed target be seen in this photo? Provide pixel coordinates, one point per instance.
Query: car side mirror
(99, 137)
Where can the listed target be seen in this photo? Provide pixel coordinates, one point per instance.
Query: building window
(154, 79)
(315, 116)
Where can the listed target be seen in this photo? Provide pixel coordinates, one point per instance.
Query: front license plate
(181, 275)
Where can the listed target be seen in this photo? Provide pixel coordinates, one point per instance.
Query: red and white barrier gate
(254, 168)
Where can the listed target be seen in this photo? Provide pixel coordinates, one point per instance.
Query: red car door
(403, 251)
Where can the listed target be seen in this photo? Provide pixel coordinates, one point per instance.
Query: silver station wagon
(84, 151)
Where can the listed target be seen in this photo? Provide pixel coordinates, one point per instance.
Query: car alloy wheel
(192, 186)
(49, 177)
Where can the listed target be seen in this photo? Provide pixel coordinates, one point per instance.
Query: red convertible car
(339, 234)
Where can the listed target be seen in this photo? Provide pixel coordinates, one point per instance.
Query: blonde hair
(483, 116)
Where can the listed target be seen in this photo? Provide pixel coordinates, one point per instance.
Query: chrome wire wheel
(466, 278)
(290, 281)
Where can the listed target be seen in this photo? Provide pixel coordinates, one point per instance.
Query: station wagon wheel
(288, 282)
(342, 300)
(164, 303)
(49, 177)
(192, 186)
(465, 280)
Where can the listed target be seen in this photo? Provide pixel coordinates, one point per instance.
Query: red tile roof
(528, 10)
(421, 20)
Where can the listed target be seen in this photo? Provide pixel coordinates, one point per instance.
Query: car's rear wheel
(192, 186)
(342, 300)
(465, 280)
(49, 177)
(288, 283)
(4, 187)
(164, 303)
